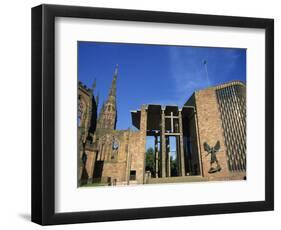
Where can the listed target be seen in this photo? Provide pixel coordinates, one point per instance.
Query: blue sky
(154, 74)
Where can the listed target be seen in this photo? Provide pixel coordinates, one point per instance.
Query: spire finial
(116, 70)
(112, 92)
(94, 85)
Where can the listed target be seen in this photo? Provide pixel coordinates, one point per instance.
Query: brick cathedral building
(209, 132)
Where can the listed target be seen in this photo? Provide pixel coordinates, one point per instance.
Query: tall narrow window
(232, 105)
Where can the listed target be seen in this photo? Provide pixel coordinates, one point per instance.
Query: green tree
(174, 167)
(150, 161)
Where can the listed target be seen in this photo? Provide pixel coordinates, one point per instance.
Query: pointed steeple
(94, 85)
(108, 113)
(112, 92)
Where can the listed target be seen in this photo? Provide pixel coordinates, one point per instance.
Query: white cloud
(188, 74)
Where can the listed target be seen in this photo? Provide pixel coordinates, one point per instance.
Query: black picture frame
(43, 114)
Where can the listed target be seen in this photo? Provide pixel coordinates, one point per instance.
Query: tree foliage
(150, 161)
(174, 167)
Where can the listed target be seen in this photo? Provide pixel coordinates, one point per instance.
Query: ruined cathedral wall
(137, 154)
(114, 170)
(84, 96)
(131, 153)
(115, 167)
(85, 110)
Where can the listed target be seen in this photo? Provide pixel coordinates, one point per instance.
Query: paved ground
(176, 179)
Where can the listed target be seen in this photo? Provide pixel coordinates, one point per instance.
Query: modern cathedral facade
(209, 132)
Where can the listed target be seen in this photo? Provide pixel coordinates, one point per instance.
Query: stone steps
(180, 179)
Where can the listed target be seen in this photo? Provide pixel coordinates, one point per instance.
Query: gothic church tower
(108, 114)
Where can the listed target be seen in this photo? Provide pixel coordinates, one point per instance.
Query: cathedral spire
(108, 115)
(112, 92)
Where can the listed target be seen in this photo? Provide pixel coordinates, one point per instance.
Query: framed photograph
(142, 114)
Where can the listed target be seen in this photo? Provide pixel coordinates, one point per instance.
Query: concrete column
(156, 156)
(181, 145)
(163, 143)
(198, 144)
(178, 155)
(172, 122)
(143, 131)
